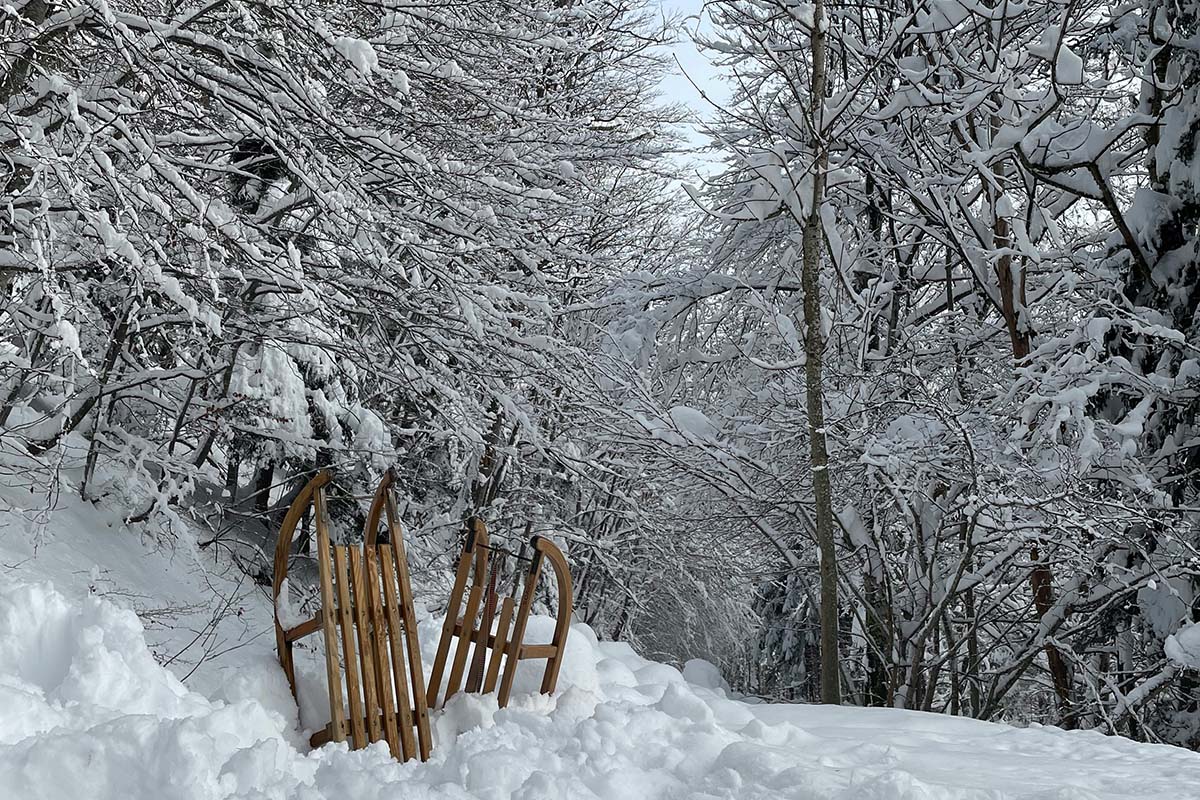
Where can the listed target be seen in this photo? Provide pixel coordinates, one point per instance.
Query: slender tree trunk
(972, 667)
(814, 346)
(263, 480)
(1041, 580)
(879, 646)
(231, 477)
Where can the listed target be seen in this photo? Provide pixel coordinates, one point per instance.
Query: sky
(690, 61)
(691, 67)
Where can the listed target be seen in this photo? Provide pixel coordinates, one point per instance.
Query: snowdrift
(86, 711)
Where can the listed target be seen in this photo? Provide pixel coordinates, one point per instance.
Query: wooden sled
(475, 624)
(366, 605)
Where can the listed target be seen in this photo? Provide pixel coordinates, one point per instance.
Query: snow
(288, 616)
(693, 421)
(944, 15)
(804, 12)
(88, 709)
(68, 339)
(272, 375)
(699, 672)
(371, 436)
(1183, 646)
(358, 52)
(1068, 67)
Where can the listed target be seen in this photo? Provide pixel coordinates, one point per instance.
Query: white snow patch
(1068, 67)
(699, 672)
(693, 421)
(1183, 646)
(358, 52)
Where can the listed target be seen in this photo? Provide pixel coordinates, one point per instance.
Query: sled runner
(475, 625)
(366, 607)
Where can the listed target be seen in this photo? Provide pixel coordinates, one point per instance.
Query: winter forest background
(913, 362)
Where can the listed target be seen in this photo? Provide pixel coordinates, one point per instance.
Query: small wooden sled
(475, 625)
(377, 630)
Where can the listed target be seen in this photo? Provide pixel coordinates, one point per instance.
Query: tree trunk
(880, 644)
(1041, 580)
(231, 477)
(263, 480)
(814, 346)
(971, 669)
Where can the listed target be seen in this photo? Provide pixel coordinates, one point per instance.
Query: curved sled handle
(566, 603)
(544, 551)
(378, 503)
(296, 512)
(396, 576)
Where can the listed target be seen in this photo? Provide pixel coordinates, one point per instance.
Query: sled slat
(404, 747)
(464, 642)
(358, 733)
(543, 650)
(538, 651)
(513, 646)
(420, 708)
(379, 642)
(366, 645)
(329, 621)
(325, 736)
(303, 629)
(449, 627)
(479, 657)
(497, 643)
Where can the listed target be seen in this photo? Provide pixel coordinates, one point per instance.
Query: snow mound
(86, 711)
(64, 664)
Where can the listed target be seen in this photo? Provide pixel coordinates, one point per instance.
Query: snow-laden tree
(1117, 384)
(982, 164)
(934, 325)
(244, 241)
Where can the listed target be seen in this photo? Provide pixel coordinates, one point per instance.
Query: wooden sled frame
(491, 648)
(377, 633)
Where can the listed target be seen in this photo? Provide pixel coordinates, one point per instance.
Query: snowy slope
(87, 710)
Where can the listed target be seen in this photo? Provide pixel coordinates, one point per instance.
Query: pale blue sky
(694, 64)
(690, 62)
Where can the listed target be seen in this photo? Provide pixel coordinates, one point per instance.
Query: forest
(897, 404)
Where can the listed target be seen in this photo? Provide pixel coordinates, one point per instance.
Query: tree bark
(263, 480)
(1041, 580)
(814, 345)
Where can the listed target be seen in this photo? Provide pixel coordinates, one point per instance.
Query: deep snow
(87, 710)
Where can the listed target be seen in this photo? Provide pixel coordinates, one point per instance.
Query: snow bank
(86, 711)
(184, 699)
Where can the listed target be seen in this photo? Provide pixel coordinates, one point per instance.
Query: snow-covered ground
(92, 706)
